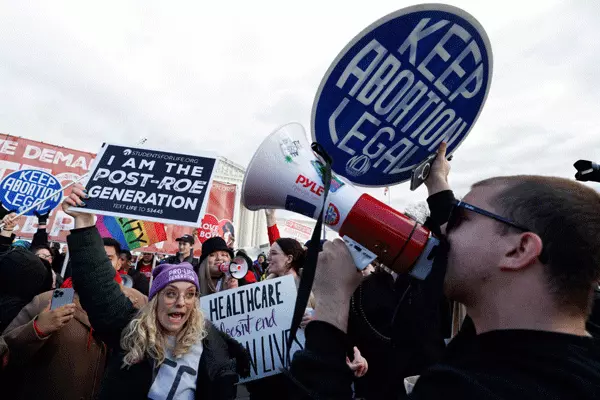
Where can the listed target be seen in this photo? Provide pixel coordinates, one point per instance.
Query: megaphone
(237, 268)
(285, 173)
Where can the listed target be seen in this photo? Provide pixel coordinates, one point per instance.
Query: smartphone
(62, 297)
(421, 172)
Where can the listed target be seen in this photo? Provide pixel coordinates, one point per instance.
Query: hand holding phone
(60, 312)
(61, 297)
(421, 172)
(433, 171)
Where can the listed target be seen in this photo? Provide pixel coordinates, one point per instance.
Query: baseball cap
(186, 238)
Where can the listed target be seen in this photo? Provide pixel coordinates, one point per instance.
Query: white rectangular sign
(258, 316)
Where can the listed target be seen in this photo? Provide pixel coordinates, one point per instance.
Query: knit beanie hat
(21, 243)
(165, 274)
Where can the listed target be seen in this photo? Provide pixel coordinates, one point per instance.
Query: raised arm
(40, 237)
(441, 198)
(272, 229)
(108, 309)
(6, 234)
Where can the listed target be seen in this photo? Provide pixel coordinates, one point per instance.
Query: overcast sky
(221, 76)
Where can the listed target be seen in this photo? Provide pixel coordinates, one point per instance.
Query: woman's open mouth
(176, 316)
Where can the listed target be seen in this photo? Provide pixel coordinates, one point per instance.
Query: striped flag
(131, 233)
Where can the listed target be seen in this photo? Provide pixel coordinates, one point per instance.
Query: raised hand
(437, 181)
(9, 222)
(42, 218)
(359, 365)
(76, 199)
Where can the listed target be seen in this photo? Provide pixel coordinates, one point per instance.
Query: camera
(587, 171)
(58, 293)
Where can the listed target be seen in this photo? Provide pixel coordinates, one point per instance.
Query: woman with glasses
(44, 253)
(166, 350)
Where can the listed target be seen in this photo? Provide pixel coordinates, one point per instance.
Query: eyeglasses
(45, 256)
(455, 219)
(455, 216)
(171, 296)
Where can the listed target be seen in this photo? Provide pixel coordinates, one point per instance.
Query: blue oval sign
(21, 189)
(409, 81)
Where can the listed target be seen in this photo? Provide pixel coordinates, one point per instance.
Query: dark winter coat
(110, 312)
(189, 259)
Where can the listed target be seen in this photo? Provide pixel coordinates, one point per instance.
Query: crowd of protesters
(504, 314)
(131, 327)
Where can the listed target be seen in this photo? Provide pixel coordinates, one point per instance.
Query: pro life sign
(258, 316)
(409, 81)
(150, 185)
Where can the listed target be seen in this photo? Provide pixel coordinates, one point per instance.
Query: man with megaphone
(523, 255)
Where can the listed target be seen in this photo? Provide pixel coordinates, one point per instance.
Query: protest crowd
(505, 312)
(494, 295)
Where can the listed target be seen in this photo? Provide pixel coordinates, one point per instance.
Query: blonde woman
(214, 253)
(167, 350)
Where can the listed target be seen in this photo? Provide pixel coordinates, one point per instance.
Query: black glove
(42, 218)
(3, 211)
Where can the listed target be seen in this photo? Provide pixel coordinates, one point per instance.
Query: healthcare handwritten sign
(413, 79)
(258, 316)
(150, 185)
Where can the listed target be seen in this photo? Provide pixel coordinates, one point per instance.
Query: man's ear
(522, 251)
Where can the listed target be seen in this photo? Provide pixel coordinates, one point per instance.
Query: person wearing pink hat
(165, 350)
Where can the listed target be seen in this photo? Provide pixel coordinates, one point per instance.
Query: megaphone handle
(361, 255)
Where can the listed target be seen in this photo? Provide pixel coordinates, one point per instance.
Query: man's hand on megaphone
(336, 279)
(75, 199)
(437, 181)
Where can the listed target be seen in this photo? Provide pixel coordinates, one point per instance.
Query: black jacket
(40, 238)
(503, 364)
(508, 364)
(175, 260)
(140, 281)
(109, 311)
(6, 242)
(396, 340)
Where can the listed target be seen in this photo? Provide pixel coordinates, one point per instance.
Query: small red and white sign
(209, 228)
(296, 230)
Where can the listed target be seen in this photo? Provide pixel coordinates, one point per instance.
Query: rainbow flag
(131, 233)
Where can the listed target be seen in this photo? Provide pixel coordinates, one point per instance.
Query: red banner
(218, 220)
(65, 164)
